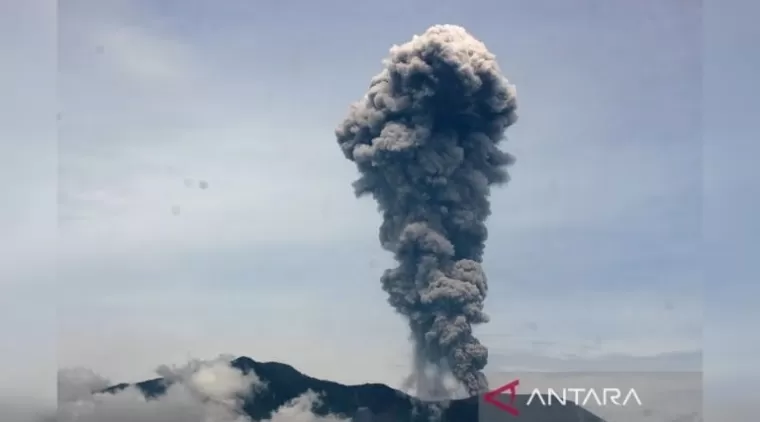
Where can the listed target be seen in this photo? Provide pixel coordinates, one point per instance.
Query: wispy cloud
(199, 391)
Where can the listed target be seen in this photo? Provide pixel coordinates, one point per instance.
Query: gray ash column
(425, 140)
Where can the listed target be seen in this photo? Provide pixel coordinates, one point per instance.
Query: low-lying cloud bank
(201, 391)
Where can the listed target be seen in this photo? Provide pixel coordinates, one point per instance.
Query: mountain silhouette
(368, 402)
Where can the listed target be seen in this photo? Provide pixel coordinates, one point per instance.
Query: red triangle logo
(492, 397)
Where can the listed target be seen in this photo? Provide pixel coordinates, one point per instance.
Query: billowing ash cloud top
(425, 140)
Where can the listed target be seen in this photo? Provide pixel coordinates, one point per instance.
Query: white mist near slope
(201, 391)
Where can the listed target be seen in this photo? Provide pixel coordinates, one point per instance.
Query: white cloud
(129, 142)
(200, 391)
(145, 57)
(123, 44)
(299, 410)
(76, 384)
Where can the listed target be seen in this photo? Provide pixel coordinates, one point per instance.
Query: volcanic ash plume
(424, 139)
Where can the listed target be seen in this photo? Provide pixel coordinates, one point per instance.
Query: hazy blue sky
(595, 256)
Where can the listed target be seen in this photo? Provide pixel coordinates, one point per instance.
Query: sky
(623, 240)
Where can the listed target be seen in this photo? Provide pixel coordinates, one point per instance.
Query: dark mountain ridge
(365, 402)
